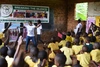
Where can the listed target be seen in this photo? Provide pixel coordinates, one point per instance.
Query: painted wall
(94, 9)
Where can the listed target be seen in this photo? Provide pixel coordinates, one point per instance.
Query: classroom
(50, 33)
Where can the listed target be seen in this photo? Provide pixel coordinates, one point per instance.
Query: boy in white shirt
(39, 32)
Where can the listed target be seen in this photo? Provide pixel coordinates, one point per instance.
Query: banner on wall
(24, 12)
(90, 20)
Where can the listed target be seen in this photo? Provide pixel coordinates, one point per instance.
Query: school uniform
(95, 55)
(53, 46)
(84, 59)
(62, 43)
(67, 52)
(77, 48)
(29, 61)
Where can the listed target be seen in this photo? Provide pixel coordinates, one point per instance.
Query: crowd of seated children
(72, 51)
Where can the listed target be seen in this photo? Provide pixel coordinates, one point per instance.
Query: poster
(98, 21)
(90, 20)
(24, 12)
(14, 31)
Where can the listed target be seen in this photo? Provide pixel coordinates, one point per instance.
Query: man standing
(39, 32)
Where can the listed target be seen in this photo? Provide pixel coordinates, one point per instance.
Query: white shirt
(79, 25)
(30, 30)
(39, 30)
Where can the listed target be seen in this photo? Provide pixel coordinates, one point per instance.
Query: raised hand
(20, 40)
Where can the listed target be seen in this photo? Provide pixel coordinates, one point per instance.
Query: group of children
(80, 50)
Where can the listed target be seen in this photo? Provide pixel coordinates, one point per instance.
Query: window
(81, 11)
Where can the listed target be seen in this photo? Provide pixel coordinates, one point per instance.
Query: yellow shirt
(82, 38)
(1, 35)
(95, 55)
(64, 66)
(62, 43)
(2, 45)
(68, 38)
(9, 61)
(29, 61)
(73, 39)
(77, 49)
(97, 38)
(36, 65)
(52, 55)
(67, 52)
(84, 59)
(53, 46)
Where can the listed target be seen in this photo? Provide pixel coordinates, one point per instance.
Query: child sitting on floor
(42, 59)
(68, 52)
(88, 44)
(96, 53)
(68, 37)
(60, 60)
(77, 47)
(3, 62)
(53, 45)
(10, 56)
(84, 58)
(62, 43)
(33, 58)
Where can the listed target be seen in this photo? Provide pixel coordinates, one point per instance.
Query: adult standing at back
(39, 31)
(79, 27)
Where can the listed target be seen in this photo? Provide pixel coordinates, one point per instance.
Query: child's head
(60, 60)
(3, 51)
(77, 36)
(76, 41)
(68, 44)
(68, 33)
(3, 62)
(93, 38)
(0, 41)
(96, 45)
(34, 51)
(53, 39)
(88, 39)
(39, 21)
(72, 33)
(42, 55)
(85, 48)
(30, 23)
(63, 37)
(85, 34)
(90, 32)
(11, 52)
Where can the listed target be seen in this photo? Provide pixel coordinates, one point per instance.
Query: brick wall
(71, 21)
